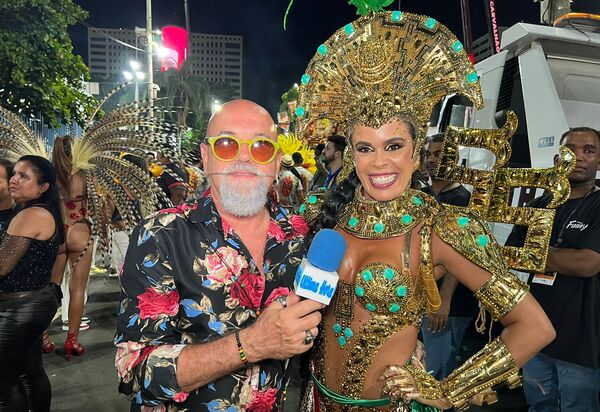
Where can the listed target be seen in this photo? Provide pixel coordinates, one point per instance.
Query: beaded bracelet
(241, 350)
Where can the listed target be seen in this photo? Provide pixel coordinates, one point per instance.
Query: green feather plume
(366, 6)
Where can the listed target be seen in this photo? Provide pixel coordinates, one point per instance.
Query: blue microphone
(316, 277)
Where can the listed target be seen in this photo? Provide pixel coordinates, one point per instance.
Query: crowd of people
(207, 316)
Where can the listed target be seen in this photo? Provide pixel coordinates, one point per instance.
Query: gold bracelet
(475, 378)
(241, 350)
(501, 293)
(427, 386)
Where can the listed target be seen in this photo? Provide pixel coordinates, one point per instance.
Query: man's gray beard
(240, 199)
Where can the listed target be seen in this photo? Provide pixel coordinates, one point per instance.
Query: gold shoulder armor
(473, 239)
(464, 231)
(311, 207)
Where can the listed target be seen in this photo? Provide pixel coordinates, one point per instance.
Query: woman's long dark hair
(62, 160)
(343, 194)
(50, 199)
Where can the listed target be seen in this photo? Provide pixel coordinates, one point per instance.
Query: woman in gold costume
(381, 75)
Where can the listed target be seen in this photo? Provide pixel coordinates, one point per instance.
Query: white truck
(550, 77)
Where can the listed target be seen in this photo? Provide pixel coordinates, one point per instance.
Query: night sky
(273, 58)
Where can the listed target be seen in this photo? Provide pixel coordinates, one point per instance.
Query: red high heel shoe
(72, 347)
(47, 344)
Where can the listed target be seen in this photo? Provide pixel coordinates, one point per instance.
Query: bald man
(207, 318)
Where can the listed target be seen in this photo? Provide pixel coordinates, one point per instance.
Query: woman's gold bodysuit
(387, 284)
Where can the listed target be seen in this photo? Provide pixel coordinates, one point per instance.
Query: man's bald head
(239, 186)
(242, 113)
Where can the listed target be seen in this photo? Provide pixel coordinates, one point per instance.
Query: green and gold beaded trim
(311, 207)
(370, 219)
(471, 238)
(383, 288)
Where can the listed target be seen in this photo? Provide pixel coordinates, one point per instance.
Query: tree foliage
(186, 99)
(39, 74)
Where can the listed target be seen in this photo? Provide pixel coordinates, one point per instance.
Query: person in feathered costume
(90, 170)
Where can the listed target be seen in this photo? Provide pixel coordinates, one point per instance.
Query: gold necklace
(371, 219)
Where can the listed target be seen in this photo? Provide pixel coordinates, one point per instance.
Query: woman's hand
(401, 386)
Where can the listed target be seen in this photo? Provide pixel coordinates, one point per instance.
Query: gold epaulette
(464, 231)
(473, 239)
(313, 201)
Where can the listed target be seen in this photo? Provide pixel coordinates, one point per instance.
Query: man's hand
(279, 332)
(438, 321)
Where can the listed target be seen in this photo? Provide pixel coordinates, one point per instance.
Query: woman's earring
(417, 165)
(347, 165)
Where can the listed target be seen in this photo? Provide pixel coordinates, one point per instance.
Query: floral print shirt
(189, 279)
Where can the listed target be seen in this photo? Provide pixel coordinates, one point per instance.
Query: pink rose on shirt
(180, 396)
(263, 401)
(248, 289)
(227, 229)
(275, 231)
(224, 264)
(153, 304)
(299, 225)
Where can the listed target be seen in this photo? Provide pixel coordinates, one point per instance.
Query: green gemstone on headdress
(360, 291)
(302, 208)
(394, 307)
(300, 111)
(342, 341)
(388, 273)
(353, 222)
(396, 15)
(337, 328)
(322, 50)
(349, 29)
(417, 200)
(482, 240)
(305, 78)
(312, 199)
(348, 333)
(370, 307)
(463, 221)
(379, 227)
(472, 77)
(401, 291)
(457, 46)
(407, 219)
(430, 23)
(367, 275)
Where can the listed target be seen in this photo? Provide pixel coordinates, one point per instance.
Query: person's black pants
(24, 385)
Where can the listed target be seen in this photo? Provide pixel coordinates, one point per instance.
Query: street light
(216, 105)
(135, 74)
(135, 65)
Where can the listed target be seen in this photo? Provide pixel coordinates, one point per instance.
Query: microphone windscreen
(327, 250)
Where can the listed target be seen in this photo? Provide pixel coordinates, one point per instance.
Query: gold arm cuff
(475, 378)
(501, 293)
(427, 386)
(311, 207)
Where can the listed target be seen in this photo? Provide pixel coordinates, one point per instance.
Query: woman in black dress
(28, 248)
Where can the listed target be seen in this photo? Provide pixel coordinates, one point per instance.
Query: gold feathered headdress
(97, 154)
(17, 139)
(388, 65)
(382, 66)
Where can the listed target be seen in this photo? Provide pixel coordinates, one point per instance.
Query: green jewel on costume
(352, 222)
(369, 219)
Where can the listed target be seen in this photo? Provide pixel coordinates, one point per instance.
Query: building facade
(215, 57)
(483, 47)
